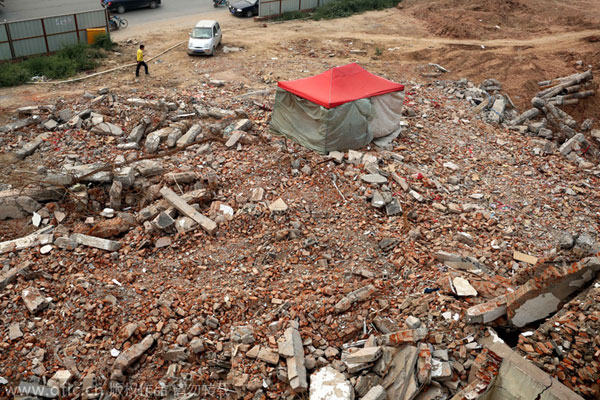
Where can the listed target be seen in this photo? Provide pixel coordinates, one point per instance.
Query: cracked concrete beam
(487, 312)
(521, 379)
(542, 295)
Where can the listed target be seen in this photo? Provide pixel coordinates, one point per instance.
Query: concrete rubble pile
(493, 105)
(555, 129)
(567, 345)
(121, 176)
(172, 243)
(564, 344)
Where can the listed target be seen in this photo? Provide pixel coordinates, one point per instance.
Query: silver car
(205, 38)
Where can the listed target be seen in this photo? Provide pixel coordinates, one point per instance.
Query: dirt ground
(518, 42)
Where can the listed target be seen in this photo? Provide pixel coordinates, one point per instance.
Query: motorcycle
(115, 22)
(217, 3)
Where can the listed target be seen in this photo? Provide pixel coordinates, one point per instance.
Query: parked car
(121, 6)
(204, 38)
(244, 8)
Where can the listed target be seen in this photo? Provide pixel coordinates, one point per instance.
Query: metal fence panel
(60, 41)
(82, 37)
(48, 34)
(60, 24)
(3, 35)
(308, 4)
(290, 5)
(267, 8)
(91, 19)
(5, 51)
(25, 29)
(27, 47)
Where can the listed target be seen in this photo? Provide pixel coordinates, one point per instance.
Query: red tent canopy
(340, 85)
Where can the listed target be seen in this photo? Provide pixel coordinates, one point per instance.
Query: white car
(205, 38)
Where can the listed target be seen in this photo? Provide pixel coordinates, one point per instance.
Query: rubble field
(158, 241)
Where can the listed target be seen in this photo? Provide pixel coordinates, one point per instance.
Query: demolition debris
(177, 243)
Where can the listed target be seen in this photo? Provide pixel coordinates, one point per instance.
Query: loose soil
(518, 42)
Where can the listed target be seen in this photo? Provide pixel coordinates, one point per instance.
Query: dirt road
(25, 9)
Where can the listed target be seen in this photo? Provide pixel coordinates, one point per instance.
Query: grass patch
(62, 64)
(339, 9)
(103, 42)
(290, 15)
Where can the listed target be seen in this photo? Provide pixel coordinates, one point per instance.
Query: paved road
(23, 9)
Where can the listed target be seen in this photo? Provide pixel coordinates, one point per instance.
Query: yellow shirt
(140, 55)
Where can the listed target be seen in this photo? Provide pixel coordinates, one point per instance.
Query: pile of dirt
(494, 19)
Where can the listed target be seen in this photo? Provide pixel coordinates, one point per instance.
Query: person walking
(140, 61)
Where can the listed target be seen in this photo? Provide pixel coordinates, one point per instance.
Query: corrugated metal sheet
(308, 4)
(25, 29)
(83, 35)
(290, 5)
(3, 35)
(91, 19)
(57, 42)
(268, 8)
(28, 35)
(64, 23)
(28, 47)
(5, 51)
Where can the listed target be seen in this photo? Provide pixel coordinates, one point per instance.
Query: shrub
(339, 9)
(56, 67)
(13, 74)
(345, 8)
(104, 42)
(290, 15)
(63, 64)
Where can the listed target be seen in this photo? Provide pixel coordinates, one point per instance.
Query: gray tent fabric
(351, 125)
(321, 129)
(388, 114)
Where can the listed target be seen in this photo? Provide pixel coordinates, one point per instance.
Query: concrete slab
(520, 379)
(542, 295)
(398, 380)
(327, 384)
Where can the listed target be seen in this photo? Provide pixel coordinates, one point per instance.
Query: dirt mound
(494, 19)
